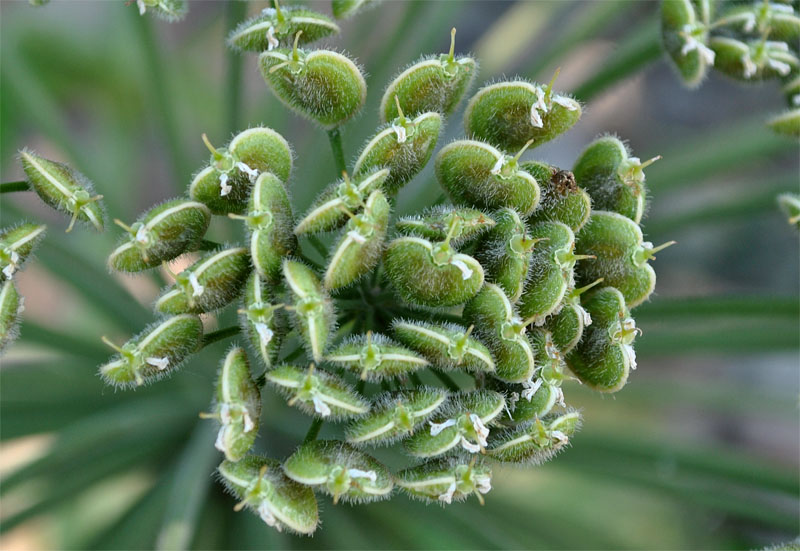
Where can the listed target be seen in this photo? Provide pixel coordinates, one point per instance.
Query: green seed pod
(168, 10)
(613, 178)
(394, 415)
(434, 83)
(317, 393)
(534, 442)
(209, 284)
(461, 421)
(277, 26)
(11, 306)
(339, 470)
(270, 226)
(499, 326)
(434, 223)
(621, 256)
(323, 86)
(64, 189)
(431, 274)
(531, 401)
(562, 200)
(762, 19)
(161, 234)
(224, 186)
(343, 9)
(17, 243)
(605, 355)
(446, 480)
(755, 60)
(329, 210)
(514, 113)
(448, 346)
(313, 313)
(154, 353)
(361, 244)
(787, 123)
(237, 407)
(567, 325)
(375, 357)
(789, 203)
(684, 33)
(476, 174)
(280, 501)
(404, 147)
(262, 320)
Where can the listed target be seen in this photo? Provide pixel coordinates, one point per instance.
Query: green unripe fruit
(209, 284)
(568, 324)
(684, 33)
(154, 353)
(343, 9)
(446, 480)
(163, 233)
(17, 243)
(434, 224)
(511, 114)
(754, 60)
(317, 392)
(277, 26)
(339, 470)
(262, 320)
(375, 357)
(787, 123)
(773, 19)
(448, 346)
(11, 306)
(435, 83)
(530, 401)
(534, 442)
(561, 200)
(312, 313)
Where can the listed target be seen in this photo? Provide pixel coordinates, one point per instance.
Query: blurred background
(699, 451)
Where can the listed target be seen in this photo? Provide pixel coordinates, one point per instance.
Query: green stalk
(219, 335)
(11, 187)
(313, 431)
(335, 137)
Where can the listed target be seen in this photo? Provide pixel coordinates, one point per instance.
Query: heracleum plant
(522, 275)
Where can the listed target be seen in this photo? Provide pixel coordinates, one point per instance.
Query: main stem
(335, 137)
(10, 187)
(219, 335)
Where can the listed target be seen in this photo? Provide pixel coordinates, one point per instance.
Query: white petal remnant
(692, 43)
(560, 438)
(466, 271)
(630, 355)
(142, 7)
(159, 363)
(320, 406)
(265, 334)
(266, 515)
(197, 289)
(480, 429)
(750, 68)
(224, 187)
(357, 237)
(400, 132)
(358, 473)
(498, 166)
(469, 446)
(251, 172)
(530, 387)
(567, 103)
(539, 108)
(447, 497)
(141, 235)
(436, 428)
(248, 422)
(219, 443)
(271, 40)
(483, 484)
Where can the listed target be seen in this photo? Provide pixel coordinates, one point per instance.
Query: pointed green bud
(339, 470)
(534, 442)
(447, 346)
(317, 393)
(209, 284)
(262, 320)
(361, 244)
(312, 313)
(17, 243)
(395, 415)
(64, 189)
(684, 33)
(404, 147)
(562, 200)
(375, 357)
(11, 306)
(787, 123)
(460, 423)
(789, 203)
(435, 223)
(321, 85)
(154, 353)
(476, 174)
(755, 60)
(446, 480)
(262, 487)
(509, 114)
(224, 186)
(277, 26)
(168, 10)
(343, 9)
(163, 233)
(434, 83)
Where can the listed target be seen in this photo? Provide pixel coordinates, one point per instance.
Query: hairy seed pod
(434, 223)
(431, 274)
(360, 247)
(237, 407)
(375, 357)
(787, 123)
(529, 401)
(312, 313)
(154, 353)
(330, 208)
(621, 256)
(514, 113)
(317, 393)
(434, 83)
(168, 10)
(446, 480)
(567, 326)
(404, 147)
(500, 327)
(339, 470)
(789, 203)
(323, 86)
(163, 233)
(684, 33)
(613, 178)
(605, 355)
(262, 320)
(224, 186)
(476, 174)
(448, 346)
(773, 19)
(11, 306)
(394, 415)
(211, 283)
(754, 60)
(343, 9)
(460, 422)
(17, 243)
(277, 26)
(550, 366)
(270, 225)
(534, 442)
(561, 200)
(64, 189)
(261, 486)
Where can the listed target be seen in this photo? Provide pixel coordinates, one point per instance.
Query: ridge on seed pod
(276, 26)
(375, 357)
(17, 244)
(445, 480)
(168, 10)
(448, 346)
(64, 189)
(262, 320)
(433, 83)
(317, 393)
(561, 198)
(434, 222)
(313, 312)
(534, 442)
(12, 304)
(685, 33)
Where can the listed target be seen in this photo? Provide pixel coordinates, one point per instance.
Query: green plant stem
(313, 431)
(318, 245)
(219, 335)
(11, 187)
(445, 378)
(234, 12)
(335, 137)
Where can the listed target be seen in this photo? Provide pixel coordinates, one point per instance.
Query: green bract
(11, 306)
(562, 200)
(261, 319)
(447, 346)
(446, 480)
(375, 357)
(536, 441)
(277, 26)
(435, 223)
(16, 245)
(312, 312)
(317, 392)
(685, 33)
